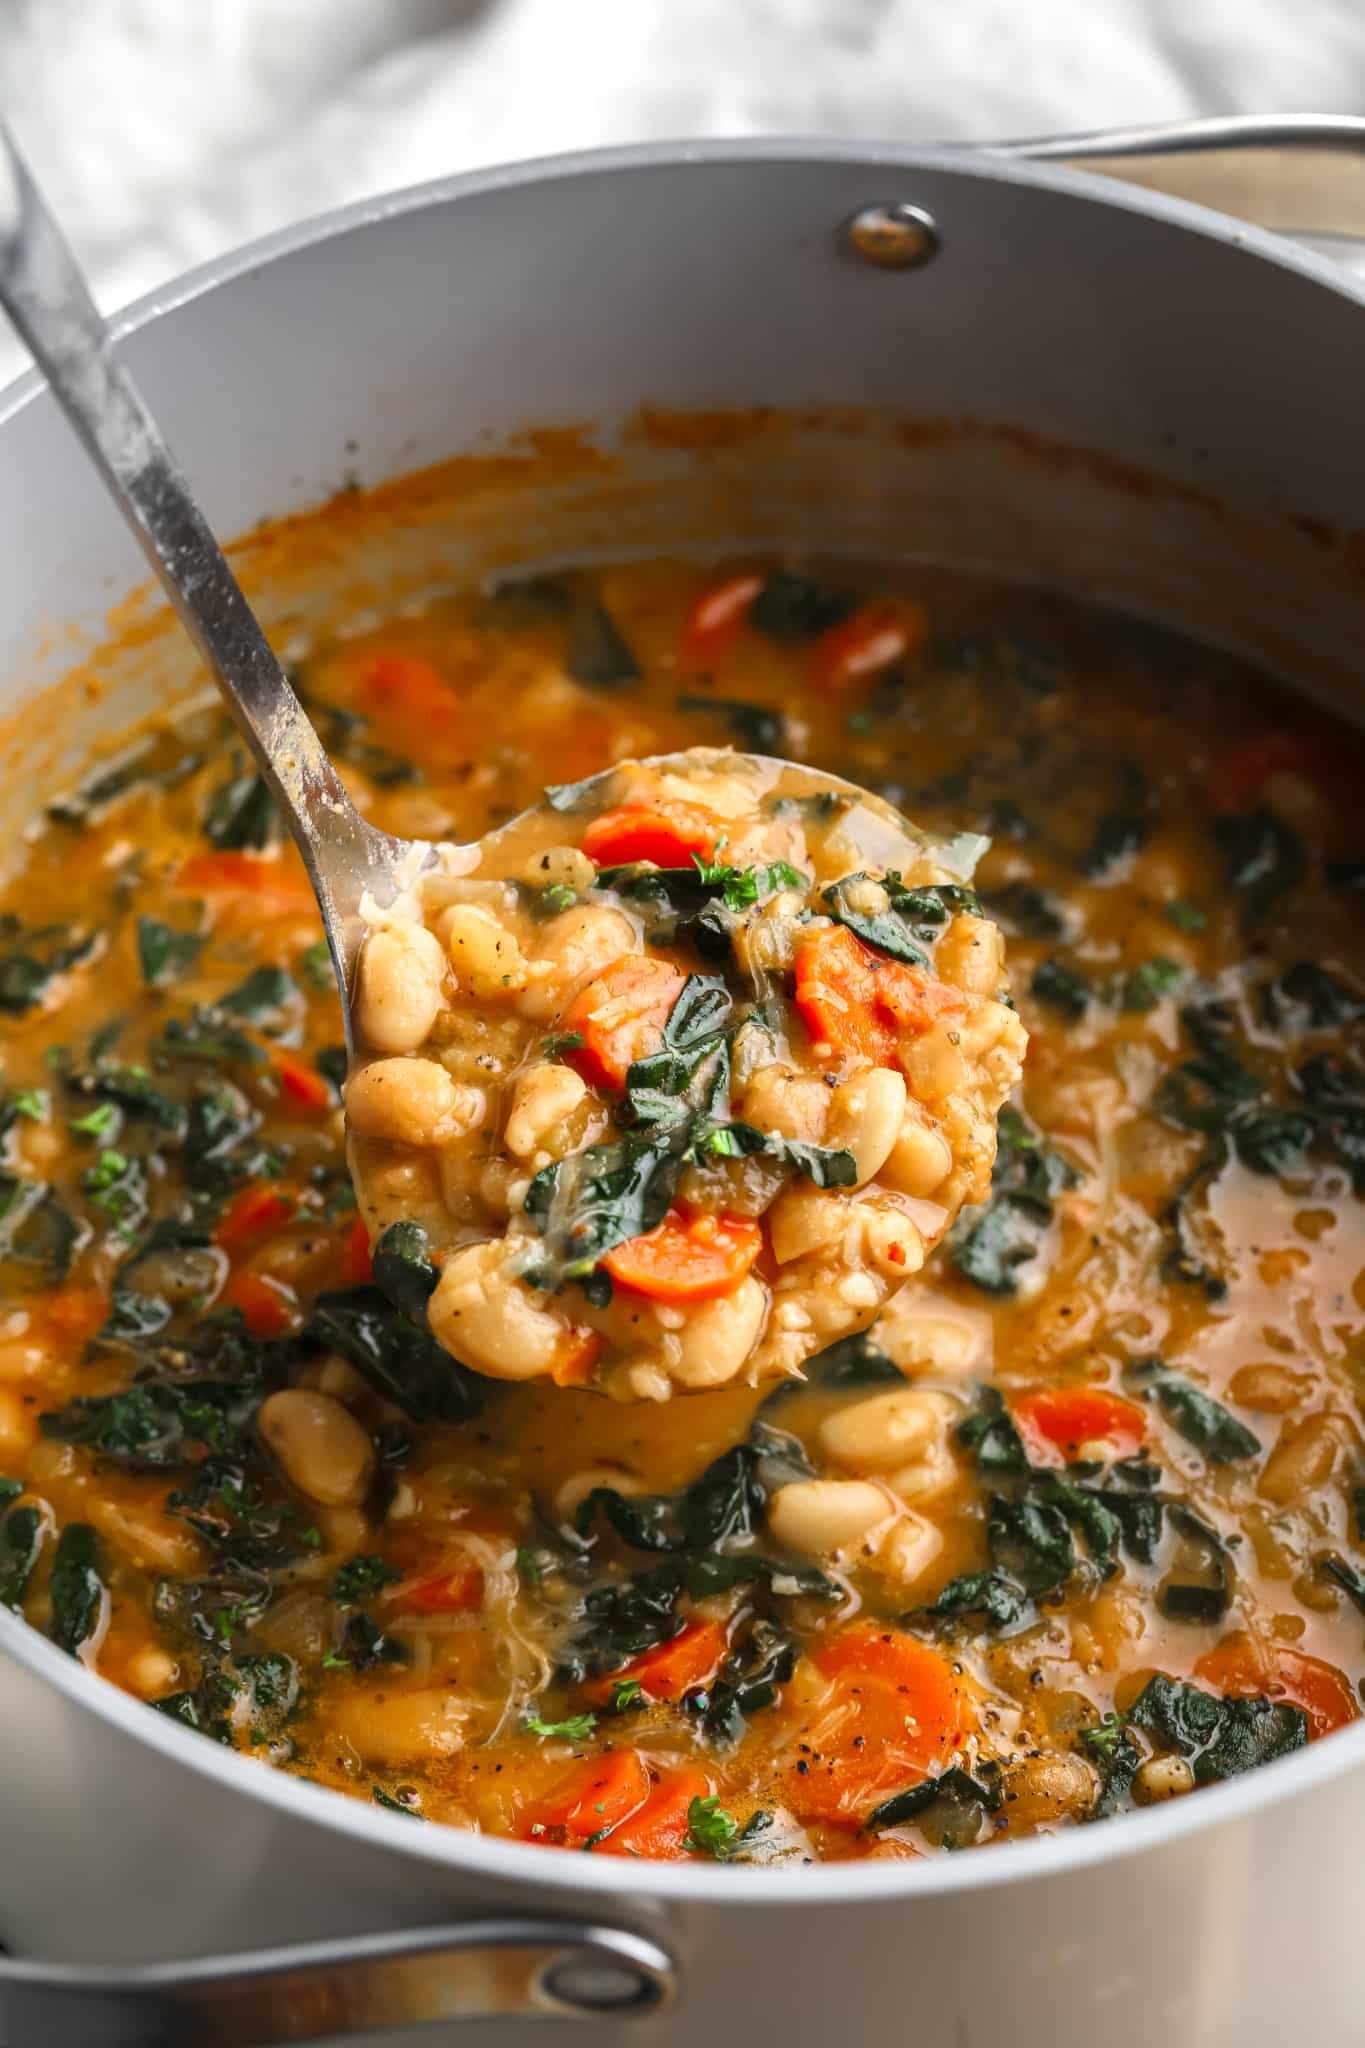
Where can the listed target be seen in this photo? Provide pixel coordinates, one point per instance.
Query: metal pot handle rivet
(893, 236)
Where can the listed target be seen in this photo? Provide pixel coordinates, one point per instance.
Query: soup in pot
(1075, 1524)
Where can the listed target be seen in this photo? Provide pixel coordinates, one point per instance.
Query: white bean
(909, 1547)
(399, 1727)
(541, 1098)
(886, 1429)
(492, 1320)
(826, 1517)
(1162, 1777)
(920, 1160)
(485, 955)
(411, 1102)
(865, 1115)
(718, 1336)
(795, 1105)
(971, 955)
(804, 1220)
(401, 973)
(321, 1447)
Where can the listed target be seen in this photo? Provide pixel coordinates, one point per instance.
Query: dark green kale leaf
(989, 1245)
(241, 814)
(210, 1034)
(32, 959)
(1198, 1587)
(138, 1313)
(1117, 837)
(1117, 1758)
(822, 1166)
(362, 1577)
(952, 1804)
(404, 1270)
(791, 607)
(753, 725)
(1262, 858)
(1064, 988)
(760, 1659)
(21, 1540)
(1307, 997)
(1219, 1738)
(1030, 1542)
(855, 1361)
(266, 992)
(912, 920)
(724, 1504)
(132, 1090)
(992, 1435)
(1026, 912)
(35, 1229)
(76, 1589)
(162, 1422)
(1197, 1416)
(993, 1598)
(163, 953)
(619, 1620)
(597, 654)
(402, 1362)
(1148, 984)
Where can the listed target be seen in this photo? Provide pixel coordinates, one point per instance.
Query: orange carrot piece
(670, 1669)
(407, 692)
(302, 1085)
(268, 1308)
(254, 1213)
(455, 1591)
(1057, 1420)
(357, 1264)
(576, 1354)
(855, 1002)
(75, 1313)
(717, 619)
(592, 1798)
(874, 637)
(621, 1016)
(659, 1829)
(268, 886)
(1241, 1667)
(666, 831)
(894, 1712)
(687, 1257)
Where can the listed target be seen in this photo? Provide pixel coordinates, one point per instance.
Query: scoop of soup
(676, 1079)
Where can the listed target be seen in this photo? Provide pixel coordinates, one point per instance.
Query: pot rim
(527, 1864)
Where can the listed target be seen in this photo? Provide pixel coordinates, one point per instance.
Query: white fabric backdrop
(168, 130)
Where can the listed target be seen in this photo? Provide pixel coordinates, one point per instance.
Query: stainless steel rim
(524, 1864)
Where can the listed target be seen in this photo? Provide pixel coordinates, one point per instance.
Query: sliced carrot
(357, 1263)
(670, 1669)
(455, 1591)
(269, 886)
(254, 1213)
(1240, 1667)
(659, 1829)
(687, 1257)
(1060, 1419)
(855, 1002)
(874, 637)
(666, 831)
(268, 1308)
(410, 695)
(576, 1354)
(717, 619)
(303, 1086)
(592, 1798)
(620, 1017)
(894, 1711)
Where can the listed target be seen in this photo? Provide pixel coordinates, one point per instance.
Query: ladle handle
(45, 295)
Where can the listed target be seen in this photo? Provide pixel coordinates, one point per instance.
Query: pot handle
(313, 1991)
(1297, 174)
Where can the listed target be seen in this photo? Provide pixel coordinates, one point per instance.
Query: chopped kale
(33, 959)
(791, 607)
(163, 953)
(1145, 986)
(990, 1245)
(404, 1270)
(597, 654)
(1262, 858)
(912, 920)
(1219, 1738)
(402, 1362)
(211, 1035)
(759, 1660)
(997, 1600)
(1198, 1588)
(1064, 988)
(1199, 1418)
(35, 1228)
(240, 814)
(361, 1577)
(1117, 837)
(262, 996)
(1026, 912)
(1186, 917)
(753, 725)
(21, 1540)
(1347, 1576)
(165, 1421)
(1307, 997)
(76, 1589)
(954, 1796)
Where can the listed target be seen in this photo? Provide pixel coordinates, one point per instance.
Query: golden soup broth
(1120, 1552)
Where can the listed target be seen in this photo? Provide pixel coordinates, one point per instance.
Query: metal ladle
(47, 298)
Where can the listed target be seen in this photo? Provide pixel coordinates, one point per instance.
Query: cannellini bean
(933, 1062)
(411, 1102)
(920, 1160)
(826, 1517)
(795, 1105)
(914, 1340)
(152, 1672)
(971, 955)
(485, 955)
(891, 1243)
(561, 867)
(909, 1547)
(865, 1116)
(804, 1219)
(1303, 1459)
(401, 973)
(1162, 1777)
(542, 1097)
(337, 1377)
(492, 1320)
(18, 1424)
(718, 1336)
(321, 1448)
(574, 947)
(1271, 1389)
(1042, 1790)
(399, 1727)
(886, 1429)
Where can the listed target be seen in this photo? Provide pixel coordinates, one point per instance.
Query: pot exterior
(586, 293)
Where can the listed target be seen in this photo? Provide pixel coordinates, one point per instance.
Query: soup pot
(980, 356)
